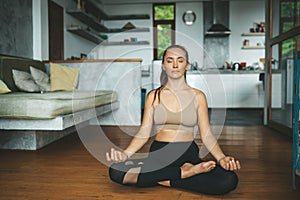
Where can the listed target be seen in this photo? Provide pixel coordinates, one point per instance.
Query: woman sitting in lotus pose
(175, 109)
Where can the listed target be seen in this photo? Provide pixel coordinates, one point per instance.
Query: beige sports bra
(185, 120)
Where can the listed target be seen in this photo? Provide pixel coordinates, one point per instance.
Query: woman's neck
(176, 85)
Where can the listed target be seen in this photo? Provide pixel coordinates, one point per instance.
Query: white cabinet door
(230, 90)
(217, 88)
(246, 90)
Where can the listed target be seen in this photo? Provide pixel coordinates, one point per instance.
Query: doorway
(56, 31)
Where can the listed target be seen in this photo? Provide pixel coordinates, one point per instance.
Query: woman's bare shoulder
(151, 94)
(150, 97)
(198, 93)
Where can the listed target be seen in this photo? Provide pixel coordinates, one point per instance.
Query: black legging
(164, 162)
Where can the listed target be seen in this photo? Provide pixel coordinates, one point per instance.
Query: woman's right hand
(116, 155)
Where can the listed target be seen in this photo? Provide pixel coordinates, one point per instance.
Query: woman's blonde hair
(163, 74)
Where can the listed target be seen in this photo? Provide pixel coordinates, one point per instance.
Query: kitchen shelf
(126, 43)
(86, 34)
(118, 30)
(92, 7)
(90, 21)
(253, 47)
(126, 17)
(92, 15)
(253, 34)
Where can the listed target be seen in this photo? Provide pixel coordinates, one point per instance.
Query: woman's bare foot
(165, 183)
(131, 176)
(188, 169)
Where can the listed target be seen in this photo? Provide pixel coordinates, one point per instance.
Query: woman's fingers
(108, 157)
(234, 164)
(238, 164)
(229, 163)
(115, 155)
(112, 154)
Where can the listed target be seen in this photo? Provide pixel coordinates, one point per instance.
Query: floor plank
(66, 170)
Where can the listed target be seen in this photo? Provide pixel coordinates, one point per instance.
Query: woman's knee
(229, 183)
(116, 173)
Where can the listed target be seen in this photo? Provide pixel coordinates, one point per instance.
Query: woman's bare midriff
(174, 136)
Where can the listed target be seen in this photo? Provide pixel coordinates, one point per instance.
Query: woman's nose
(175, 65)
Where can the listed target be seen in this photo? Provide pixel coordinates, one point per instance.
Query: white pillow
(40, 78)
(24, 81)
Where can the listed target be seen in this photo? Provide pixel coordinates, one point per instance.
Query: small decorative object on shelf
(257, 30)
(129, 25)
(246, 43)
(258, 27)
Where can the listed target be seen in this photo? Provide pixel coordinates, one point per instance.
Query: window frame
(159, 22)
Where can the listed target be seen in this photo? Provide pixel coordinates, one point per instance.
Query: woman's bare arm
(208, 139)
(141, 138)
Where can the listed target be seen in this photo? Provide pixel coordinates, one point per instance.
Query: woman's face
(175, 63)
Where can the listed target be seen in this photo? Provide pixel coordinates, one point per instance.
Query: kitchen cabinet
(230, 90)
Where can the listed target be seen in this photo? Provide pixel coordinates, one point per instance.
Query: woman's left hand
(229, 163)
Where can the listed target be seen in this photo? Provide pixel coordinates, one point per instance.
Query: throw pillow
(40, 78)
(24, 81)
(63, 78)
(3, 88)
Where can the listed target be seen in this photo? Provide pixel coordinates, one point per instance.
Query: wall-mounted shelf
(253, 47)
(253, 34)
(92, 7)
(91, 22)
(126, 17)
(126, 43)
(87, 19)
(86, 34)
(92, 15)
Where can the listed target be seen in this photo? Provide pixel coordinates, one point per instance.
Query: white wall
(190, 36)
(40, 30)
(73, 44)
(242, 16)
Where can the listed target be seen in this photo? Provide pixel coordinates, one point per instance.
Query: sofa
(32, 120)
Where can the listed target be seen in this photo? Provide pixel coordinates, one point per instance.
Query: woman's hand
(229, 163)
(116, 155)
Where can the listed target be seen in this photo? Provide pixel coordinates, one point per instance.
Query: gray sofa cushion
(51, 104)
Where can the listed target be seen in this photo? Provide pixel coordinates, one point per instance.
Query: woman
(175, 108)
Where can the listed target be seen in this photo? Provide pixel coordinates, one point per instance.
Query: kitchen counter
(224, 71)
(234, 89)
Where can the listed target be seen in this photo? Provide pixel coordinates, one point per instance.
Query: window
(164, 26)
(290, 10)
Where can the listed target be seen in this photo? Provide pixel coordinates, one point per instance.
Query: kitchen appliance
(217, 29)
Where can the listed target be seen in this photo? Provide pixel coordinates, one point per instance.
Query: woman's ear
(187, 66)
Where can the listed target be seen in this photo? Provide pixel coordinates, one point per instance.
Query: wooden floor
(66, 170)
